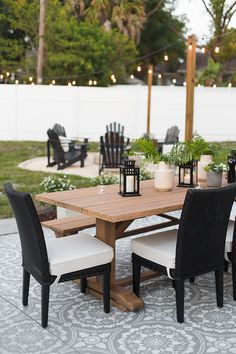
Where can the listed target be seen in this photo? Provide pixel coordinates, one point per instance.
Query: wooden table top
(112, 207)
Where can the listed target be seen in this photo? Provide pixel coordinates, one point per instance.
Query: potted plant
(144, 149)
(203, 152)
(164, 173)
(214, 173)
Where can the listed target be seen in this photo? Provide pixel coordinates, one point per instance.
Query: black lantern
(232, 166)
(188, 174)
(129, 179)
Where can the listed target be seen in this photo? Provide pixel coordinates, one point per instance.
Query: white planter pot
(214, 179)
(65, 213)
(204, 161)
(164, 177)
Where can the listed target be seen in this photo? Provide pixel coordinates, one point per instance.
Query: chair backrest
(202, 230)
(172, 135)
(112, 148)
(116, 128)
(34, 252)
(59, 130)
(54, 140)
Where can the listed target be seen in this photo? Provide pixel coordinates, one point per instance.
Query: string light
(199, 85)
(174, 81)
(113, 77)
(90, 82)
(30, 79)
(73, 82)
(139, 68)
(149, 71)
(230, 84)
(95, 83)
(159, 76)
(166, 58)
(53, 82)
(69, 84)
(190, 47)
(132, 76)
(32, 84)
(214, 85)
(1, 76)
(114, 81)
(16, 82)
(217, 49)
(8, 74)
(184, 83)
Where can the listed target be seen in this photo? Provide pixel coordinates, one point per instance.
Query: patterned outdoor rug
(77, 323)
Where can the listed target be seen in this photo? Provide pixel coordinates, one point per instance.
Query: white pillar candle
(129, 184)
(187, 178)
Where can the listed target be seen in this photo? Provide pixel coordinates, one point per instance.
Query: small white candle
(187, 178)
(130, 184)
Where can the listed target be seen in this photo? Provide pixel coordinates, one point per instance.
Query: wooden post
(190, 85)
(42, 12)
(150, 75)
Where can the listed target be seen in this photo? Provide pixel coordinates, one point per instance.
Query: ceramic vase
(164, 177)
(204, 161)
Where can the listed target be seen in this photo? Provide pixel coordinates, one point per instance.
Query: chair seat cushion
(159, 247)
(76, 252)
(229, 237)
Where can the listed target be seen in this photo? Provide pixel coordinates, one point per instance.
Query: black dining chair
(56, 259)
(230, 252)
(195, 248)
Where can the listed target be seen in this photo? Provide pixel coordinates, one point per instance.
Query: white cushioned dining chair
(230, 252)
(195, 248)
(57, 259)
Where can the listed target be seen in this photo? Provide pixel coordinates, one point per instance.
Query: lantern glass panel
(129, 179)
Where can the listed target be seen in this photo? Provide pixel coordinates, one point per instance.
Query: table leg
(120, 296)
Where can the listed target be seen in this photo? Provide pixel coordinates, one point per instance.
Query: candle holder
(129, 179)
(188, 174)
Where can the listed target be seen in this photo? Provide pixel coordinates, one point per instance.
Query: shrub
(56, 184)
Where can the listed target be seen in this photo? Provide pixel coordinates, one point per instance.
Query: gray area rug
(77, 323)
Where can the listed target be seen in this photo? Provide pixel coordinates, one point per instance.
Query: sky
(199, 20)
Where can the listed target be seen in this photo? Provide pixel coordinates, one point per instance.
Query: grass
(11, 154)
(14, 152)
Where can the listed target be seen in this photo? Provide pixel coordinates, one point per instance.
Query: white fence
(28, 111)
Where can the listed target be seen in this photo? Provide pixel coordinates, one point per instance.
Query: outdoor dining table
(114, 214)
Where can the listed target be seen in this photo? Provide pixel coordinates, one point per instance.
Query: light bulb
(8, 74)
(174, 81)
(214, 85)
(113, 77)
(139, 68)
(203, 50)
(1, 76)
(159, 76)
(32, 83)
(230, 84)
(114, 81)
(30, 78)
(53, 82)
(73, 82)
(184, 83)
(199, 85)
(149, 71)
(190, 47)
(69, 84)
(166, 58)
(217, 49)
(90, 82)
(16, 82)
(132, 76)
(95, 82)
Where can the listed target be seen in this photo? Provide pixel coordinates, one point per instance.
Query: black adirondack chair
(68, 144)
(172, 136)
(112, 147)
(60, 157)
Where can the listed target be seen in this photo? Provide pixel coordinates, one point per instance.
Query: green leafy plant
(215, 167)
(199, 146)
(56, 184)
(180, 154)
(145, 146)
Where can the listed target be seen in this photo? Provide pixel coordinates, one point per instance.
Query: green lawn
(11, 154)
(14, 152)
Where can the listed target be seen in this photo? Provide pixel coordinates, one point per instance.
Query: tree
(211, 74)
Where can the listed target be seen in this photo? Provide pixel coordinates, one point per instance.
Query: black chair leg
(173, 284)
(106, 292)
(226, 266)
(192, 280)
(234, 279)
(179, 288)
(83, 283)
(25, 292)
(219, 287)
(136, 278)
(45, 289)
